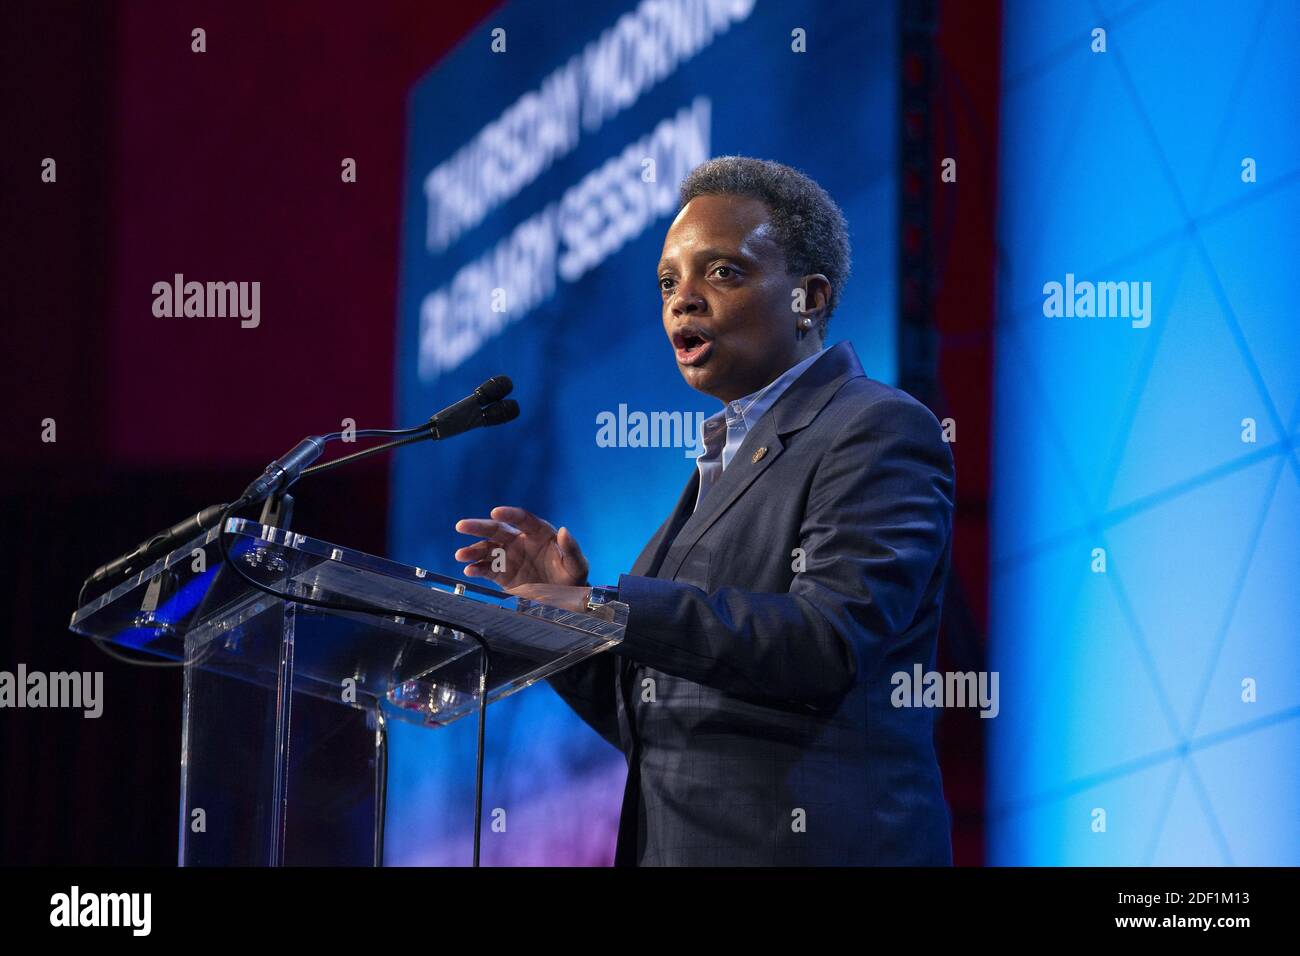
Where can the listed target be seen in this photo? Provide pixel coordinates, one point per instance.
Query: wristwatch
(600, 602)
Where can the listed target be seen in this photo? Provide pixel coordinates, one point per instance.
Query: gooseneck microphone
(469, 411)
(484, 407)
(284, 471)
(159, 544)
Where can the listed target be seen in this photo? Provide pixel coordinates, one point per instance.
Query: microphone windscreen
(501, 412)
(494, 389)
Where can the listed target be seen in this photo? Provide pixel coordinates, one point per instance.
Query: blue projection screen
(542, 168)
(1146, 518)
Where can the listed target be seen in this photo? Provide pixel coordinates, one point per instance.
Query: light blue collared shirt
(720, 444)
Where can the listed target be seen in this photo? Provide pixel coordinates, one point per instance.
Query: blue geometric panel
(1150, 710)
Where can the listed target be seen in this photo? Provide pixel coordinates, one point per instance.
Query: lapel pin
(759, 454)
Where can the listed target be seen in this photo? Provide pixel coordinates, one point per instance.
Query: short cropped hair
(806, 222)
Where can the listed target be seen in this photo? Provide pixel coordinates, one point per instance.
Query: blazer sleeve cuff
(653, 604)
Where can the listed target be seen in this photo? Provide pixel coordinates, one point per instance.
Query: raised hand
(532, 551)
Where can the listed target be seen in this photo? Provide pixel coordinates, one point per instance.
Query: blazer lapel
(738, 476)
(800, 404)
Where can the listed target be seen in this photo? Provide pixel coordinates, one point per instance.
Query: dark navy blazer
(751, 693)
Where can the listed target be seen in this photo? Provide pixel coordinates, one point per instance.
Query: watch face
(598, 603)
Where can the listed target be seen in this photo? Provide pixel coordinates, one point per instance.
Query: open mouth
(691, 345)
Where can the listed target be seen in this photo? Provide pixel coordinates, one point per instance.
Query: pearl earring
(806, 323)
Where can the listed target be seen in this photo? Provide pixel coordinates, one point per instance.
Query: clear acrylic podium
(284, 746)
